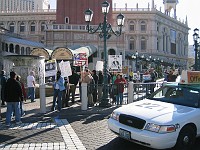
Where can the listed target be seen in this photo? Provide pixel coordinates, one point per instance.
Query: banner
(115, 63)
(80, 59)
(50, 70)
(99, 66)
(65, 68)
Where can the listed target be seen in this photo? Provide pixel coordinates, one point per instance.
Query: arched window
(28, 50)
(3, 46)
(32, 27)
(111, 52)
(2, 25)
(131, 26)
(11, 47)
(12, 27)
(143, 26)
(22, 51)
(22, 27)
(43, 26)
(102, 55)
(143, 44)
(132, 43)
(17, 49)
(6, 47)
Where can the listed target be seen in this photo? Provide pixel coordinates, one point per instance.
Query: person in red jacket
(120, 82)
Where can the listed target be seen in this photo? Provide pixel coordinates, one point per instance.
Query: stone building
(156, 36)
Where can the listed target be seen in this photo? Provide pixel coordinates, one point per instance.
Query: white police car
(170, 117)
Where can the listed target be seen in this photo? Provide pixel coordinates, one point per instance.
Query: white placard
(115, 63)
(99, 66)
(65, 68)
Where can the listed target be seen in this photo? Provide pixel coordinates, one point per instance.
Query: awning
(42, 52)
(23, 42)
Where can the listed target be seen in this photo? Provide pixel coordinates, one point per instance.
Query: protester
(171, 77)
(65, 95)
(120, 81)
(100, 85)
(137, 81)
(18, 78)
(153, 80)
(113, 88)
(73, 81)
(87, 78)
(31, 86)
(3, 83)
(13, 97)
(59, 87)
(96, 78)
(131, 75)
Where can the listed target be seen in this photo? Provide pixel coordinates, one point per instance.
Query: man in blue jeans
(59, 87)
(31, 86)
(13, 97)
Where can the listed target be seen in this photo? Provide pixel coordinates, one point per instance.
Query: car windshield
(179, 94)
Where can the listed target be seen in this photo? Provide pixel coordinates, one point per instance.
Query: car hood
(156, 111)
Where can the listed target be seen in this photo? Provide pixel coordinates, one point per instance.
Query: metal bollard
(42, 99)
(84, 100)
(130, 92)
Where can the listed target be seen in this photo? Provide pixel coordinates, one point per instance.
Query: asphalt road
(94, 134)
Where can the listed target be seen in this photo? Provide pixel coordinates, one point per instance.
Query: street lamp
(105, 31)
(136, 59)
(196, 45)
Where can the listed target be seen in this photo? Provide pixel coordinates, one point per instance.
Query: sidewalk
(45, 131)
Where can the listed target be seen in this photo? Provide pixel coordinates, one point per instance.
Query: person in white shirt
(31, 86)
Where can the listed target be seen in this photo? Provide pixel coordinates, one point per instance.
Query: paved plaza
(52, 130)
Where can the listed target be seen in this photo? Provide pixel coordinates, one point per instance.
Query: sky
(184, 8)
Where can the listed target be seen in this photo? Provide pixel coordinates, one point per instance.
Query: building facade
(156, 36)
(23, 5)
(72, 11)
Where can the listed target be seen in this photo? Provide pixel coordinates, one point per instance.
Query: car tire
(186, 139)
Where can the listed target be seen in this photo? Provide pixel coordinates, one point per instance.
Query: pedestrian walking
(120, 82)
(13, 97)
(31, 84)
(18, 78)
(73, 81)
(3, 83)
(59, 87)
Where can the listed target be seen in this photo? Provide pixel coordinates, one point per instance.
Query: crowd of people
(13, 91)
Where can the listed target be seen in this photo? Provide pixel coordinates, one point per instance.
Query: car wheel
(186, 139)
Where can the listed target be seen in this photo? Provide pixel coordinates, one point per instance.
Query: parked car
(169, 117)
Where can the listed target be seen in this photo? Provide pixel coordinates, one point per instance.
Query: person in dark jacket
(13, 97)
(73, 81)
(100, 85)
(96, 78)
(3, 83)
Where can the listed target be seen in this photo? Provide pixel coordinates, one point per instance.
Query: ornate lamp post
(105, 31)
(196, 45)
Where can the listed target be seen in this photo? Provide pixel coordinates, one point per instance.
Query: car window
(177, 95)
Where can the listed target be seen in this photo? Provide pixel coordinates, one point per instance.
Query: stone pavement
(52, 129)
